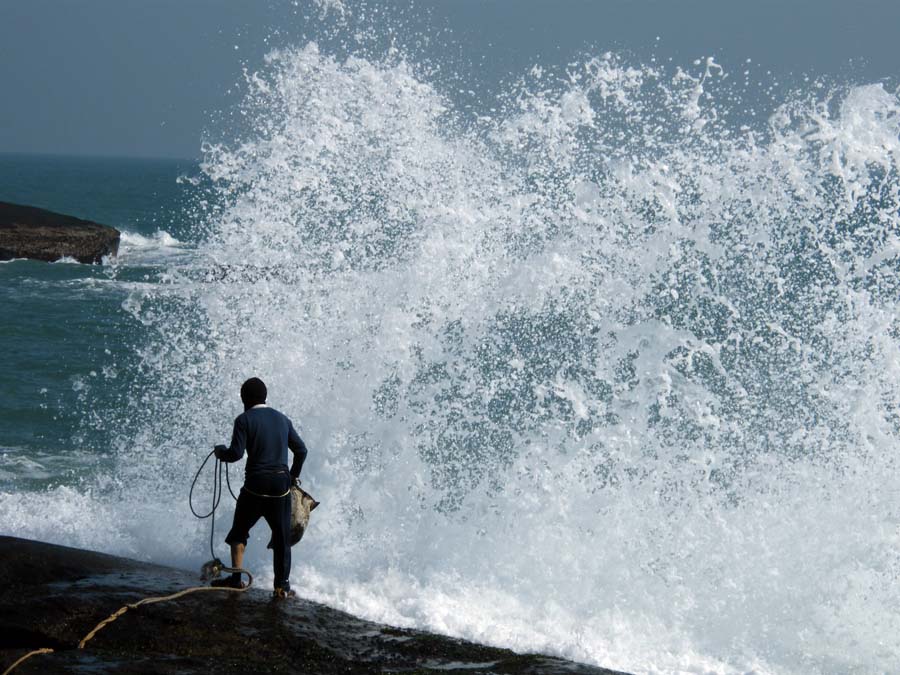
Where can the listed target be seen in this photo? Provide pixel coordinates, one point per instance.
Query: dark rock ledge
(51, 596)
(29, 232)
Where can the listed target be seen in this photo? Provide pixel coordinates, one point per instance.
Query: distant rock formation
(29, 232)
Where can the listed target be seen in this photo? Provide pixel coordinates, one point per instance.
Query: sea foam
(605, 373)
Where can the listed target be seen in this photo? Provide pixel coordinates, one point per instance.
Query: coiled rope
(216, 498)
(216, 568)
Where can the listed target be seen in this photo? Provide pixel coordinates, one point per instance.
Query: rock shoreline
(51, 596)
(30, 232)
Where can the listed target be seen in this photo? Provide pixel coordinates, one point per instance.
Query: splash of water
(603, 374)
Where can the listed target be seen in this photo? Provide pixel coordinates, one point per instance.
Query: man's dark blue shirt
(266, 435)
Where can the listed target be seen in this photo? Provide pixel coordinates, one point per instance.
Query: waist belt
(270, 472)
(256, 494)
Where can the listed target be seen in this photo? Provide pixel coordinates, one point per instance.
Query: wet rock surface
(29, 232)
(52, 596)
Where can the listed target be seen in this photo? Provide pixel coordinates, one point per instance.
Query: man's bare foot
(281, 594)
(231, 581)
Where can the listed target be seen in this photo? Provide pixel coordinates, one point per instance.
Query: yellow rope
(149, 601)
(134, 605)
(45, 650)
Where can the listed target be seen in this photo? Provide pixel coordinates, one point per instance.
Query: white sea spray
(602, 374)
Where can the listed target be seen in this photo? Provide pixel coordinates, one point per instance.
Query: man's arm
(298, 447)
(235, 451)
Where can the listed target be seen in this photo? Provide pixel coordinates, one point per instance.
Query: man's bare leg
(233, 580)
(237, 555)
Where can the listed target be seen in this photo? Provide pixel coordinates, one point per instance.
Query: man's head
(253, 392)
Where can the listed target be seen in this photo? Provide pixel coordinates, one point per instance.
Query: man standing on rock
(266, 435)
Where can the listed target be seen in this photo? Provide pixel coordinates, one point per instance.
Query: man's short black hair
(253, 392)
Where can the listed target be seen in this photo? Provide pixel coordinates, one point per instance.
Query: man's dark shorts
(251, 506)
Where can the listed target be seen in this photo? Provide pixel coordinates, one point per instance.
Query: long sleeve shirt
(265, 435)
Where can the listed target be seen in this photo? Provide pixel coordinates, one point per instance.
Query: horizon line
(77, 155)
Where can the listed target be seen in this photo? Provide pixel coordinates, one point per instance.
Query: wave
(604, 373)
(159, 248)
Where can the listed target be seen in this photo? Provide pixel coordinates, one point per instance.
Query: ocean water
(608, 369)
(62, 323)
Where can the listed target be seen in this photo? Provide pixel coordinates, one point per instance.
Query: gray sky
(145, 77)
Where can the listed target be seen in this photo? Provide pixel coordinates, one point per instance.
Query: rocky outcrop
(29, 232)
(52, 596)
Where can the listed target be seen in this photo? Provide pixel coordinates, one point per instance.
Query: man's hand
(295, 482)
(219, 449)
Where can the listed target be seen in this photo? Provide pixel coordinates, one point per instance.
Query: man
(266, 435)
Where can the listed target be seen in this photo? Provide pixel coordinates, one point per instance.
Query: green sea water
(63, 328)
(603, 375)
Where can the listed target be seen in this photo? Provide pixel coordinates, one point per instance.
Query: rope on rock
(134, 605)
(163, 598)
(216, 570)
(45, 650)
